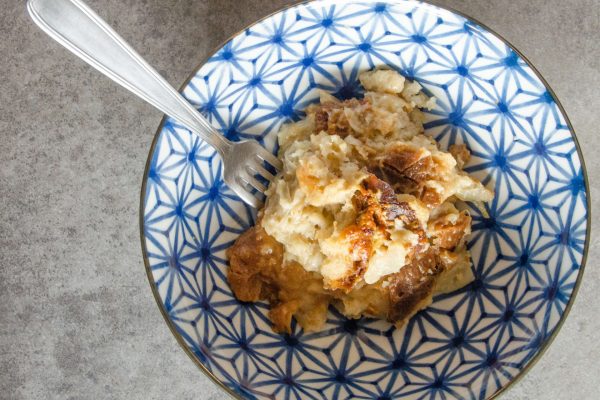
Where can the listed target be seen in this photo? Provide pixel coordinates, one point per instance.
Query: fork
(75, 26)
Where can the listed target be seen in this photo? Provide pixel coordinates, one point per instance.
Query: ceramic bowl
(528, 254)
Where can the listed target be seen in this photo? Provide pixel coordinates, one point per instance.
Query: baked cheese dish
(364, 215)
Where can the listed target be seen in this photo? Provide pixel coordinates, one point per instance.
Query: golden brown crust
(250, 271)
(331, 118)
(377, 207)
(412, 284)
(406, 168)
(461, 154)
(430, 197)
(447, 232)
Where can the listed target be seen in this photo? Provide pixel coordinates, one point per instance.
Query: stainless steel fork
(75, 26)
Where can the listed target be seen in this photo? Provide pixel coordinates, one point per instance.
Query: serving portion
(363, 216)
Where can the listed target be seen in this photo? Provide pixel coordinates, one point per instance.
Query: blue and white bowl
(528, 255)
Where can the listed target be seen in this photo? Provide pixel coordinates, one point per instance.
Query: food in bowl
(364, 216)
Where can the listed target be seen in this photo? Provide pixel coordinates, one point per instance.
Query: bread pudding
(363, 216)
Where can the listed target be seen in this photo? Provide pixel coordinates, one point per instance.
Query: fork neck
(197, 124)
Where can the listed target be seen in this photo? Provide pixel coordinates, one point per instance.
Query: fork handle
(79, 29)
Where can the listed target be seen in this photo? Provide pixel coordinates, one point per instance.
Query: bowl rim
(547, 342)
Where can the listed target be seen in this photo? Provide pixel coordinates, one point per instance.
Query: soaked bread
(363, 215)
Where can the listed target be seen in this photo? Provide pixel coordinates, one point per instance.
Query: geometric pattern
(527, 250)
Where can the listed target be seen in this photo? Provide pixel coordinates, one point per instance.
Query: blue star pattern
(527, 248)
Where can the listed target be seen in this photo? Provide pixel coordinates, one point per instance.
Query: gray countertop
(77, 318)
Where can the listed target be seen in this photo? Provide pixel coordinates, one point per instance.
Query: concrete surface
(77, 318)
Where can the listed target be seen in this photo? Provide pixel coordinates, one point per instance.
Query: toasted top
(360, 183)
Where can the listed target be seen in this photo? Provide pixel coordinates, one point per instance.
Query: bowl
(528, 251)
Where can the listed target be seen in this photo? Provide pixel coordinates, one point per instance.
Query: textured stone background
(77, 318)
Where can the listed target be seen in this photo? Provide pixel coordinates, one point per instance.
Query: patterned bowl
(528, 255)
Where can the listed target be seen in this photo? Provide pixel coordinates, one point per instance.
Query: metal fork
(75, 26)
